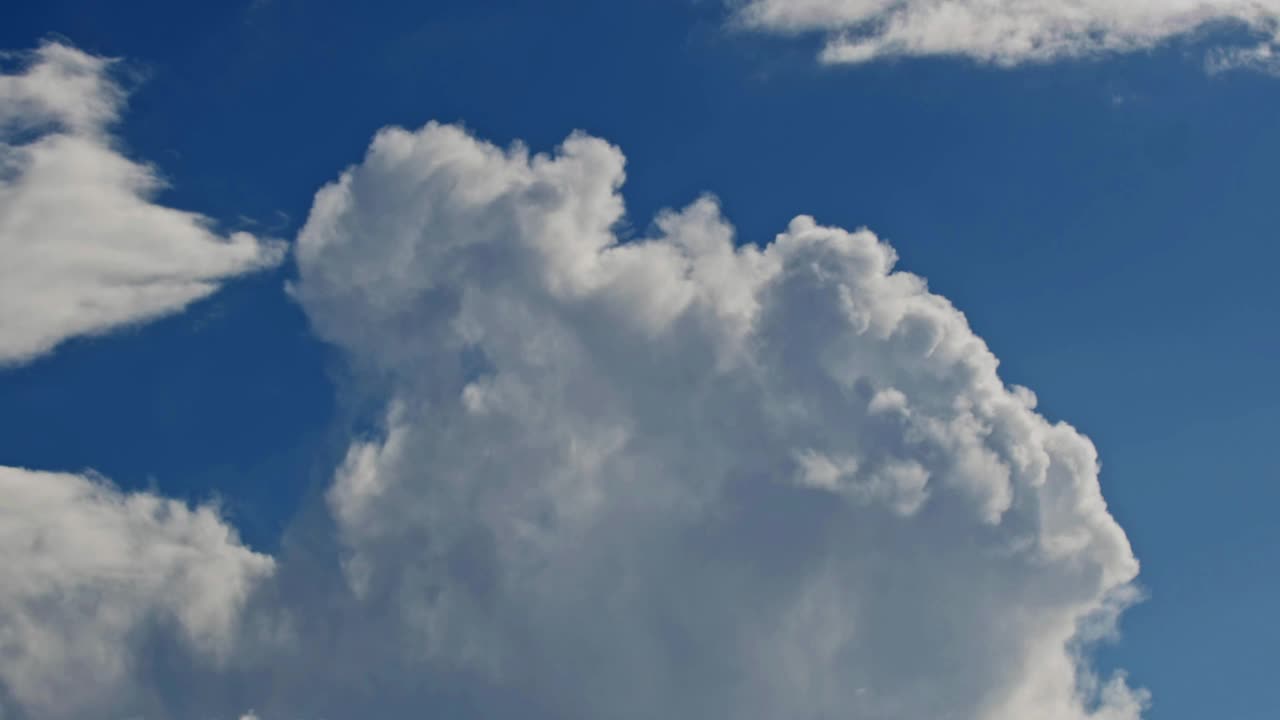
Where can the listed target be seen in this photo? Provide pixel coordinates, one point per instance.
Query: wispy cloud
(85, 247)
(1004, 32)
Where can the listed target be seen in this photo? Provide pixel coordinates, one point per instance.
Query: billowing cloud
(679, 476)
(1009, 32)
(90, 575)
(673, 476)
(85, 248)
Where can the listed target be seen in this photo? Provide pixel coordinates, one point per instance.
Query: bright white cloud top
(1010, 32)
(675, 477)
(91, 575)
(85, 248)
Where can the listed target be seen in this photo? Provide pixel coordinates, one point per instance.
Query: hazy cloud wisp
(1011, 32)
(85, 248)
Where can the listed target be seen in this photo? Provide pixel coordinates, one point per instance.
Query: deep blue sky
(1108, 227)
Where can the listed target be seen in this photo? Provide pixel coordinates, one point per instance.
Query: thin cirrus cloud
(86, 248)
(1012, 32)
(679, 476)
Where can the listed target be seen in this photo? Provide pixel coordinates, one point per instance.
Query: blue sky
(1105, 223)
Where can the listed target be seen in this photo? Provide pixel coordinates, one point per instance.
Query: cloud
(1003, 32)
(676, 476)
(92, 575)
(85, 248)
(1263, 57)
(679, 476)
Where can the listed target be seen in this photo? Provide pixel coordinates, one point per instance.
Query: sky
(684, 358)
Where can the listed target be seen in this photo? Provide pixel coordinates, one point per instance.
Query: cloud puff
(1003, 32)
(679, 476)
(91, 575)
(85, 249)
(1262, 57)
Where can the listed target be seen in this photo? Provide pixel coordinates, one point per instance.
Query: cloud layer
(672, 476)
(94, 578)
(680, 477)
(1010, 32)
(85, 248)
(676, 476)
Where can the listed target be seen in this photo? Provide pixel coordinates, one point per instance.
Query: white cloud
(87, 572)
(675, 477)
(1263, 57)
(672, 477)
(84, 249)
(1003, 32)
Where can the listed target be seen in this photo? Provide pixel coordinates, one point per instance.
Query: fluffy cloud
(1008, 32)
(679, 476)
(85, 248)
(92, 575)
(676, 476)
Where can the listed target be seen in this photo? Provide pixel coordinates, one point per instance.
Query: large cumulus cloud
(673, 476)
(85, 248)
(680, 476)
(1009, 32)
